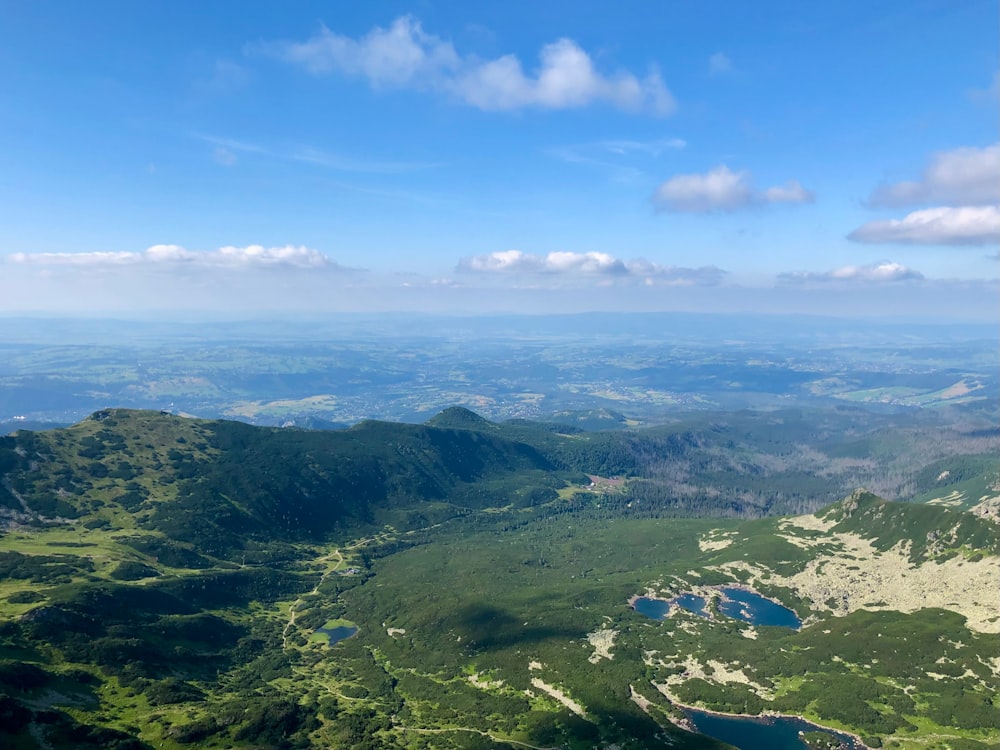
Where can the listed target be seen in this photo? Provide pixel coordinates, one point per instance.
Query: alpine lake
(744, 732)
(334, 631)
(766, 732)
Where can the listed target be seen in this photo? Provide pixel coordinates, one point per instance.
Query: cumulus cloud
(721, 189)
(882, 272)
(405, 56)
(164, 256)
(399, 56)
(966, 225)
(566, 264)
(516, 261)
(566, 78)
(790, 192)
(961, 177)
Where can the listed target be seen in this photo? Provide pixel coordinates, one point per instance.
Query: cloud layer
(967, 225)
(883, 272)
(252, 256)
(404, 56)
(593, 265)
(721, 189)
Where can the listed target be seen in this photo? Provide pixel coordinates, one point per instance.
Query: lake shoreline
(856, 738)
(714, 596)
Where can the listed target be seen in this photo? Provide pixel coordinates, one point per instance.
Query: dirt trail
(298, 602)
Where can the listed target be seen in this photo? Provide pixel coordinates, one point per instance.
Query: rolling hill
(225, 486)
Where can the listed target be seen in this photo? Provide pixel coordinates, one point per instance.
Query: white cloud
(719, 64)
(76, 259)
(405, 56)
(165, 256)
(721, 189)
(257, 255)
(565, 79)
(961, 177)
(398, 56)
(966, 225)
(566, 264)
(882, 272)
(790, 192)
(570, 262)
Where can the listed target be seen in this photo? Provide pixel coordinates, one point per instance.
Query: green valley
(163, 581)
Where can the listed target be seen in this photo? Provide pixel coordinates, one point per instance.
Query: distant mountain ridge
(218, 483)
(225, 484)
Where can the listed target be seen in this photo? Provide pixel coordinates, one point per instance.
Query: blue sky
(834, 158)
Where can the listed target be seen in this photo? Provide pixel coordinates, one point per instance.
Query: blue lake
(336, 635)
(760, 733)
(755, 609)
(658, 609)
(737, 603)
(691, 603)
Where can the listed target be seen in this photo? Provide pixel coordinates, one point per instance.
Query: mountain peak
(460, 418)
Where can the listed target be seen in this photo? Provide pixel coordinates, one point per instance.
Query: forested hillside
(171, 582)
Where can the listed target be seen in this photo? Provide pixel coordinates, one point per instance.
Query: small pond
(751, 607)
(657, 609)
(761, 733)
(337, 634)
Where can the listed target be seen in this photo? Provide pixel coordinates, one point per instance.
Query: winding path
(298, 602)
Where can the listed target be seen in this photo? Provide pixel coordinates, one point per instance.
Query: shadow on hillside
(484, 627)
